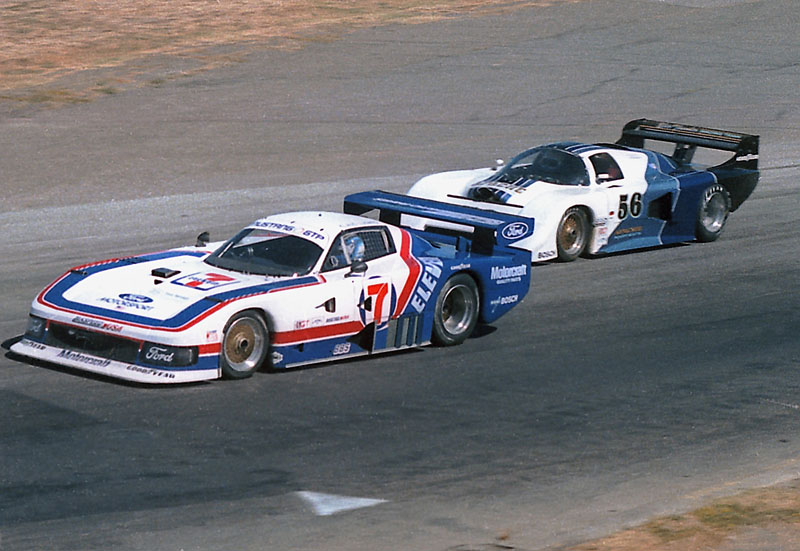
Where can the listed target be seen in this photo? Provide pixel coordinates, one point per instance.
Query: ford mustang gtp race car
(604, 198)
(287, 290)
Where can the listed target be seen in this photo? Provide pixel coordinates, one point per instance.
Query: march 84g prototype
(605, 198)
(287, 290)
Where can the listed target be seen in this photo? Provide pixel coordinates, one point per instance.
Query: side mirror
(358, 267)
(203, 239)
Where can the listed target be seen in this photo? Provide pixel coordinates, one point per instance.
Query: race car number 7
(634, 208)
(379, 291)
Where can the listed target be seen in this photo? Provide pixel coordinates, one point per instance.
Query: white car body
(546, 202)
(603, 198)
(288, 290)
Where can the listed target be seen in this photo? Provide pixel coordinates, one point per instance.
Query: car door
(363, 259)
(624, 194)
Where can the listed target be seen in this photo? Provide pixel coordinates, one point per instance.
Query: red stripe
(317, 333)
(414, 269)
(184, 327)
(207, 349)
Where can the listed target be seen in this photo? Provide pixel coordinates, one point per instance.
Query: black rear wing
(489, 228)
(688, 138)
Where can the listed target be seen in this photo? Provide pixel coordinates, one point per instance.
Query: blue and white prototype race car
(287, 290)
(604, 198)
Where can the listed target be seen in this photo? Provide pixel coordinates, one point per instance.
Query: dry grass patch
(44, 41)
(712, 526)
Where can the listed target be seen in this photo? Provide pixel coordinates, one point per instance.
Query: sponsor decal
(97, 324)
(341, 349)
(204, 281)
(141, 299)
(32, 344)
(427, 283)
(158, 354)
(150, 371)
(304, 324)
(335, 319)
(287, 228)
(129, 301)
(508, 274)
(83, 358)
(277, 358)
(515, 230)
(545, 254)
(502, 301)
(212, 336)
(461, 266)
(628, 232)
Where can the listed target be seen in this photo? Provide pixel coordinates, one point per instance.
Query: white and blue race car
(287, 290)
(604, 198)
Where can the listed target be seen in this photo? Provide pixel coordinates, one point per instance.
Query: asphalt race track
(624, 387)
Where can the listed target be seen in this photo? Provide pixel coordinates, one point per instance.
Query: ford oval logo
(139, 299)
(515, 230)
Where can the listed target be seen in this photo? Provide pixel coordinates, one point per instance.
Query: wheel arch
(269, 322)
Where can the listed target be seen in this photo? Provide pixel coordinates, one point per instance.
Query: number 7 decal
(379, 292)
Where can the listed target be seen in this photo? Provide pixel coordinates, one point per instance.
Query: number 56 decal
(634, 208)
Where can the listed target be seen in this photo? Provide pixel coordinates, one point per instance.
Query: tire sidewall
(441, 336)
(229, 372)
(703, 233)
(563, 254)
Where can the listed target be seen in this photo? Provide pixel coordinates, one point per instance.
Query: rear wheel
(712, 213)
(244, 345)
(456, 312)
(572, 235)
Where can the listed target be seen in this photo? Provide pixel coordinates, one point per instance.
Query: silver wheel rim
(571, 235)
(715, 211)
(244, 344)
(458, 309)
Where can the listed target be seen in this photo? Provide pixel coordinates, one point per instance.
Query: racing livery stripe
(209, 349)
(53, 297)
(316, 333)
(414, 271)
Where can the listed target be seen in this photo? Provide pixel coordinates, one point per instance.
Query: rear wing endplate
(490, 228)
(687, 138)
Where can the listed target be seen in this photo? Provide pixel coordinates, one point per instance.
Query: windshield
(265, 252)
(546, 164)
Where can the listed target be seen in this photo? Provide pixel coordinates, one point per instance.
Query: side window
(360, 245)
(377, 243)
(605, 168)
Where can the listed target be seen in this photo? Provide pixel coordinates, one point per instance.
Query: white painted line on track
(329, 504)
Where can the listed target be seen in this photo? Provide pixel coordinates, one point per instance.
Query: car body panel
(646, 199)
(161, 317)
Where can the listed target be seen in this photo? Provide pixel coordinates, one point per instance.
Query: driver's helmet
(354, 246)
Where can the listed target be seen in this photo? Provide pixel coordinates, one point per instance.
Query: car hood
(521, 193)
(160, 290)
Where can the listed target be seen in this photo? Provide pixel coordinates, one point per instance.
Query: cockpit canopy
(546, 164)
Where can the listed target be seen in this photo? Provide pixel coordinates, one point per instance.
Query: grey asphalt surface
(624, 387)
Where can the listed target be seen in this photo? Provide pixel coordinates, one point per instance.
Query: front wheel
(712, 213)
(456, 312)
(572, 235)
(244, 345)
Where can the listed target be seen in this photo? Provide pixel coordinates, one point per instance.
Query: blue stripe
(55, 295)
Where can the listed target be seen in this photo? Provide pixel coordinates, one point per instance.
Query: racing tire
(715, 206)
(456, 313)
(572, 235)
(244, 345)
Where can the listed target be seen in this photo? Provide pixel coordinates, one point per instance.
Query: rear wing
(489, 228)
(688, 138)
